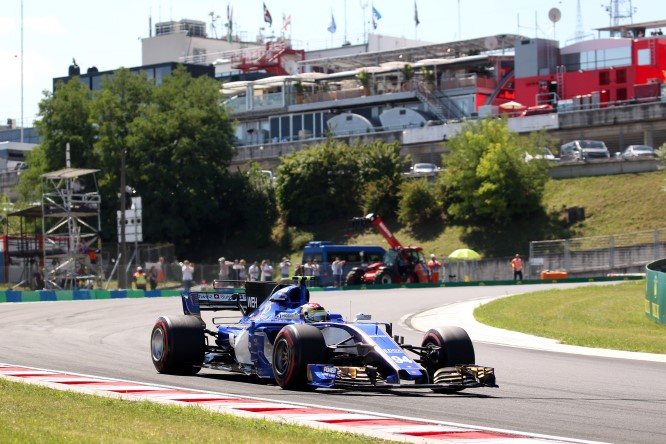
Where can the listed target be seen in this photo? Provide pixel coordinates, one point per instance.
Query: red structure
(277, 58)
(589, 74)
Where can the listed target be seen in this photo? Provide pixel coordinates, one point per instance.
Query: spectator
(315, 272)
(284, 268)
(337, 268)
(254, 271)
(223, 274)
(235, 270)
(188, 274)
(267, 271)
(242, 270)
(152, 277)
(298, 270)
(517, 266)
(140, 279)
(307, 267)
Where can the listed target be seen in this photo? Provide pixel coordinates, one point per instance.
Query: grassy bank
(596, 316)
(34, 414)
(615, 204)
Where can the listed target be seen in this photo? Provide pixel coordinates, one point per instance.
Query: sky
(107, 34)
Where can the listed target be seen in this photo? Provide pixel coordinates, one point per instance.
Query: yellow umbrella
(464, 253)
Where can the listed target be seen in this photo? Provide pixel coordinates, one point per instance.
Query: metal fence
(619, 253)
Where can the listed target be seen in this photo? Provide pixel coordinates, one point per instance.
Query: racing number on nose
(401, 359)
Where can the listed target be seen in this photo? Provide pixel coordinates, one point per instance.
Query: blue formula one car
(284, 336)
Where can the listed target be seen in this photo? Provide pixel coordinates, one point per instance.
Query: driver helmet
(313, 312)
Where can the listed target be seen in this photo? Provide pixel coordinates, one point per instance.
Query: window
(644, 57)
(604, 78)
(621, 76)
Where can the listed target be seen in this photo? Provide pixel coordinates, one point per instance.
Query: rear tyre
(455, 347)
(177, 345)
(296, 346)
(383, 277)
(354, 276)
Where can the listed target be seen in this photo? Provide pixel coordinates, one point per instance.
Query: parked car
(541, 153)
(634, 152)
(584, 150)
(424, 168)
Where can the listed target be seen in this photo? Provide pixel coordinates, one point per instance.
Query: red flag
(267, 16)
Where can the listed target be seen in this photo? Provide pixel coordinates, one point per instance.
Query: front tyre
(354, 276)
(296, 346)
(177, 345)
(383, 277)
(449, 346)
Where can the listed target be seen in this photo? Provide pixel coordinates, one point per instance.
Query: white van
(584, 150)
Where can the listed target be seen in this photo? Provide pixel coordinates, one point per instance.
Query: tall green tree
(174, 139)
(319, 184)
(380, 171)
(64, 118)
(179, 150)
(260, 211)
(486, 181)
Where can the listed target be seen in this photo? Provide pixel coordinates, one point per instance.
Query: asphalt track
(610, 398)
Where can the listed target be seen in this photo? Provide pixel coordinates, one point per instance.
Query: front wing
(448, 378)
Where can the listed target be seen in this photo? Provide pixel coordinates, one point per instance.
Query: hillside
(613, 204)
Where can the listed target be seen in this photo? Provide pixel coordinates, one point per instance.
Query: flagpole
(364, 5)
(459, 31)
(345, 39)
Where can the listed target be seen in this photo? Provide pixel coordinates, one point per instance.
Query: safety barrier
(655, 291)
(80, 295)
(77, 295)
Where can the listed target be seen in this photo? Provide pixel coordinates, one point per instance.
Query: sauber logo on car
(216, 297)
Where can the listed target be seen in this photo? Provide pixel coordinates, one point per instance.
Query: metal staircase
(441, 106)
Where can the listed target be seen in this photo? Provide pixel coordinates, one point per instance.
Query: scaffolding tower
(71, 227)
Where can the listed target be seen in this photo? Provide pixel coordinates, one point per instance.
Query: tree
(319, 184)
(260, 211)
(486, 181)
(418, 204)
(380, 171)
(174, 140)
(64, 119)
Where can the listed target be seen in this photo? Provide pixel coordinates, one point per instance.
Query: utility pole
(122, 269)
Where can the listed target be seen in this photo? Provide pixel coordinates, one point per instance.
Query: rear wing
(228, 295)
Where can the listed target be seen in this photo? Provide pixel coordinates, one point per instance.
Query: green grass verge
(608, 316)
(35, 414)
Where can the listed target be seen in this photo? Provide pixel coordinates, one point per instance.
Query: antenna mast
(580, 33)
(620, 12)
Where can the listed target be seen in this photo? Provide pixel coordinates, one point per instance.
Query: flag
(375, 17)
(267, 16)
(230, 20)
(416, 15)
(332, 28)
(286, 22)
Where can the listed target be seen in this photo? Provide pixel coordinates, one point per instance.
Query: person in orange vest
(435, 269)
(140, 279)
(517, 266)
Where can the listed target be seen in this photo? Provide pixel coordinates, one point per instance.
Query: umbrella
(513, 106)
(464, 253)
